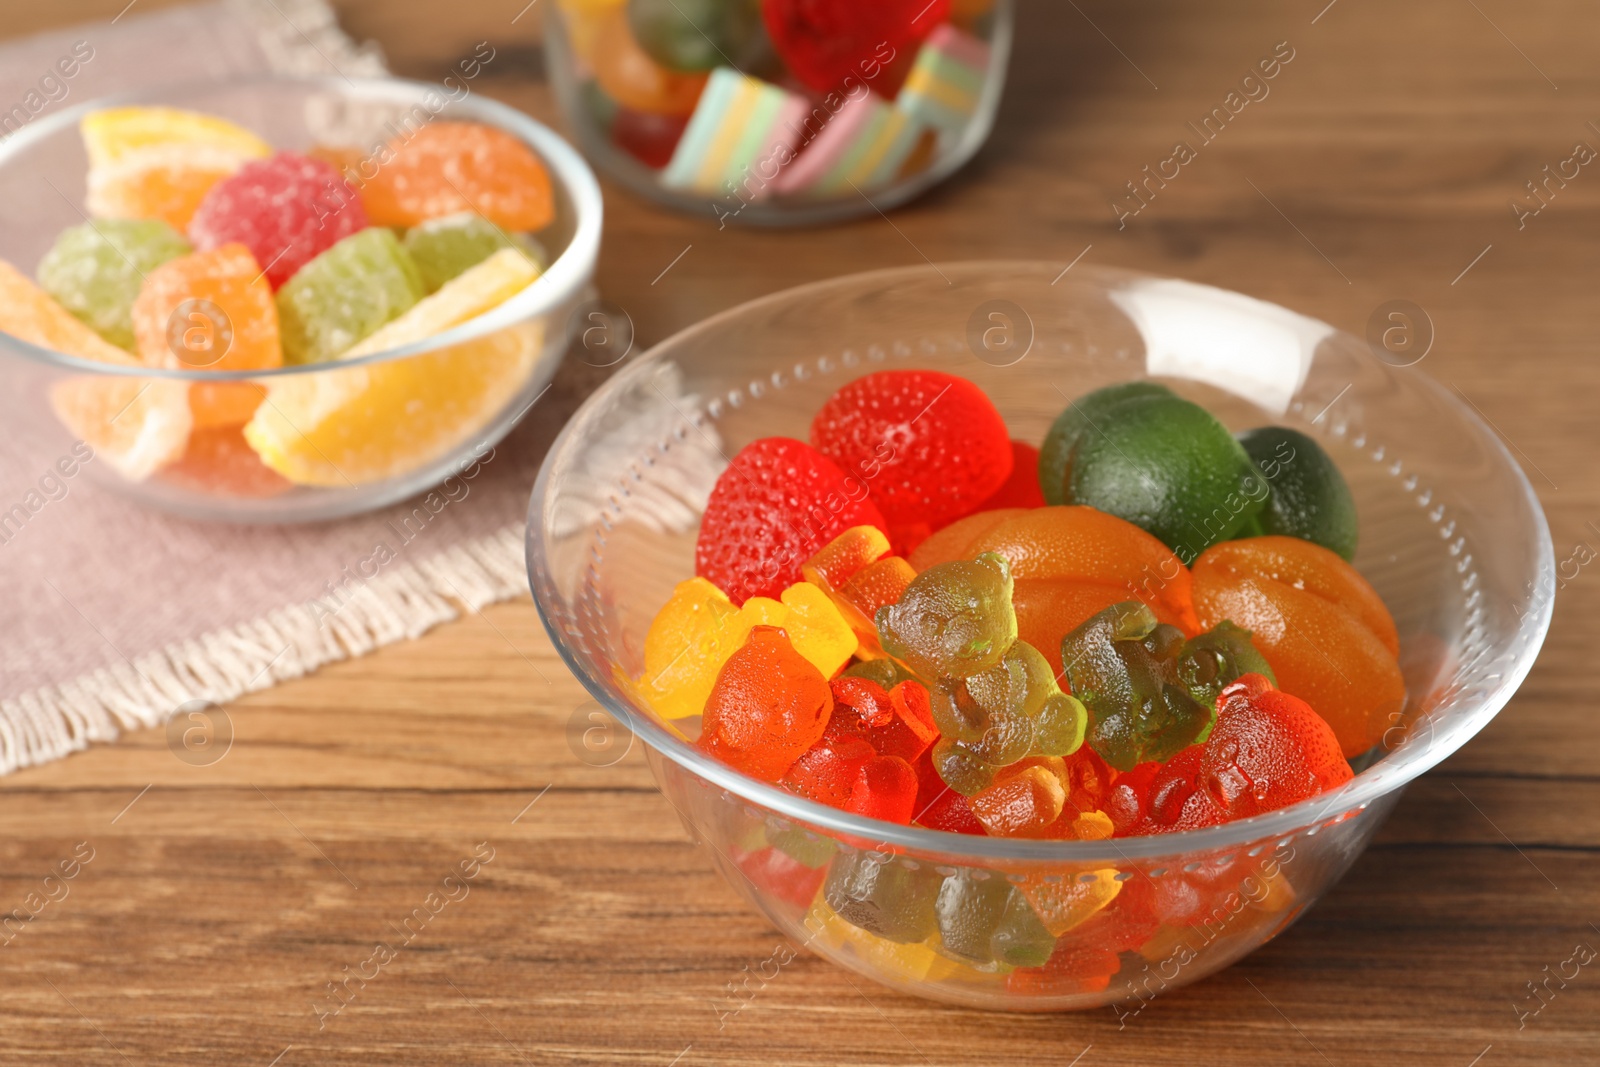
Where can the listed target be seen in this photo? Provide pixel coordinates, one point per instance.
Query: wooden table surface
(220, 900)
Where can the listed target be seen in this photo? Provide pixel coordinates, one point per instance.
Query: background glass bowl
(575, 30)
(42, 190)
(1451, 536)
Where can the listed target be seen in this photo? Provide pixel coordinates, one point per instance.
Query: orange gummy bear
(769, 705)
(1322, 628)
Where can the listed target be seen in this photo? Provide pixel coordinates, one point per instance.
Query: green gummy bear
(697, 35)
(1013, 709)
(954, 620)
(1214, 660)
(447, 247)
(988, 920)
(882, 895)
(1307, 496)
(886, 672)
(344, 294)
(1123, 665)
(94, 270)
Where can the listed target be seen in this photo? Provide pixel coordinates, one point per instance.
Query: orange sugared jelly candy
(768, 705)
(220, 462)
(1324, 630)
(216, 404)
(208, 311)
(449, 167)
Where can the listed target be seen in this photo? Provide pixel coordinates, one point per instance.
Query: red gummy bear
(885, 788)
(768, 706)
(930, 446)
(1268, 750)
(781, 874)
(895, 723)
(287, 210)
(1021, 490)
(779, 501)
(824, 42)
(827, 771)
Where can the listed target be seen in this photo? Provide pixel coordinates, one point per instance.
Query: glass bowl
(904, 118)
(1452, 537)
(168, 459)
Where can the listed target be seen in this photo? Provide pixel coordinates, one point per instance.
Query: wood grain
(218, 905)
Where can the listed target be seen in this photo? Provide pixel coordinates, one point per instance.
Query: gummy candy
(218, 461)
(287, 210)
(929, 446)
(344, 294)
(910, 961)
(1321, 626)
(776, 872)
(1268, 750)
(449, 167)
(1021, 489)
(1161, 462)
(444, 248)
(1024, 800)
(885, 788)
(1064, 903)
(985, 919)
(696, 35)
(814, 625)
(337, 427)
(866, 144)
(827, 771)
(95, 270)
(632, 77)
(687, 644)
(825, 42)
(647, 137)
(1307, 496)
(895, 722)
(159, 163)
(953, 541)
(208, 310)
(882, 896)
(778, 502)
(954, 621)
(767, 707)
(855, 572)
(1125, 668)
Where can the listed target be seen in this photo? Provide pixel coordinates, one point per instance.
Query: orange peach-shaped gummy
(1323, 629)
(952, 542)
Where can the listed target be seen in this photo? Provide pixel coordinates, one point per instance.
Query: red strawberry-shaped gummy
(287, 210)
(930, 446)
(872, 41)
(1021, 490)
(779, 501)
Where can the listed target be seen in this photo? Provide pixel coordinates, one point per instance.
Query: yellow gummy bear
(688, 642)
(809, 616)
(1068, 901)
(918, 962)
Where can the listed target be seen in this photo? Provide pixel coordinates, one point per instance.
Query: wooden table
(221, 900)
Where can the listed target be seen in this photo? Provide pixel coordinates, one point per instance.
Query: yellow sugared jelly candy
(138, 425)
(1063, 904)
(687, 644)
(814, 624)
(159, 162)
(351, 426)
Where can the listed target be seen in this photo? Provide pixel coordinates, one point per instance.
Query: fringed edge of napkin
(407, 601)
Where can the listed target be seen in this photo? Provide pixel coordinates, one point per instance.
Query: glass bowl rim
(1305, 817)
(566, 276)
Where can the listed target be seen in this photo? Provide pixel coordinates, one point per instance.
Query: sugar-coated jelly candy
(929, 446)
(1307, 496)
(219, 462)
(95, 269)
(633, 78)
(344, 294)
(882, 895)
(825, 42)
(768, 705)
(209, 310)
(446, 247)
(778, 502)
(696, 35)
(1124, 666)
(287, 210)
(159, 162)
(30, 313)
(955, 620)
(449, 167)
(337, 427)
(1318, 622)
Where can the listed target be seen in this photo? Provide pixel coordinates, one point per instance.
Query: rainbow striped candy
(742, 134)
(864, 144)
(946, 82)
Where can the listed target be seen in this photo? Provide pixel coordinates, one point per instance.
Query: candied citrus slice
(159, 162)
(28, 312)
(349, 426)
(208, 311)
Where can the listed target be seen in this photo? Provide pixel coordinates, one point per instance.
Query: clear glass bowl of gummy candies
(1034, 642)
(285, 299)
(779, 112)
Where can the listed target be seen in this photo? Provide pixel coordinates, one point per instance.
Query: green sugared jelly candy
(344, 294)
